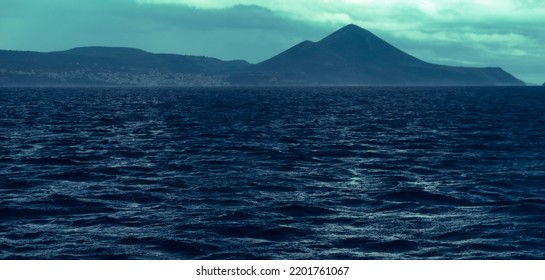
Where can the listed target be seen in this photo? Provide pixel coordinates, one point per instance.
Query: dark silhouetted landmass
(112, 66)
(354, 56)
(349, 56)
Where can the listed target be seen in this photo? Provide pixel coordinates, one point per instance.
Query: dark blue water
(300, 173)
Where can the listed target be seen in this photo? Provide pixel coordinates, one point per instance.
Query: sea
(272, 173)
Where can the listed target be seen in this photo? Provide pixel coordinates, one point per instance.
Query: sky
(481, 33)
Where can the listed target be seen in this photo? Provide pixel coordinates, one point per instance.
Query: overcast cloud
(507, 34)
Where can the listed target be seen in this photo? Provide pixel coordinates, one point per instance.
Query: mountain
(355, 56)
(349, 56)
(112, 66)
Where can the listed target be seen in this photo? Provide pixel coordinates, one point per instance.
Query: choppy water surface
(272, 173)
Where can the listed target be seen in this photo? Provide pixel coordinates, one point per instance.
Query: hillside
(111, 66)
(354, 56)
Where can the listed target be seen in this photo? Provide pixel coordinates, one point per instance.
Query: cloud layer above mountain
(500, 33)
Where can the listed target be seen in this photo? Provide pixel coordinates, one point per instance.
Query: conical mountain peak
(349, 32)
(352, 28)
(355, 56)
(358, 45)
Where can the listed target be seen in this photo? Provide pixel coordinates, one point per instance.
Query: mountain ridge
(112, 66)
(349, 56)
(355, 56)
